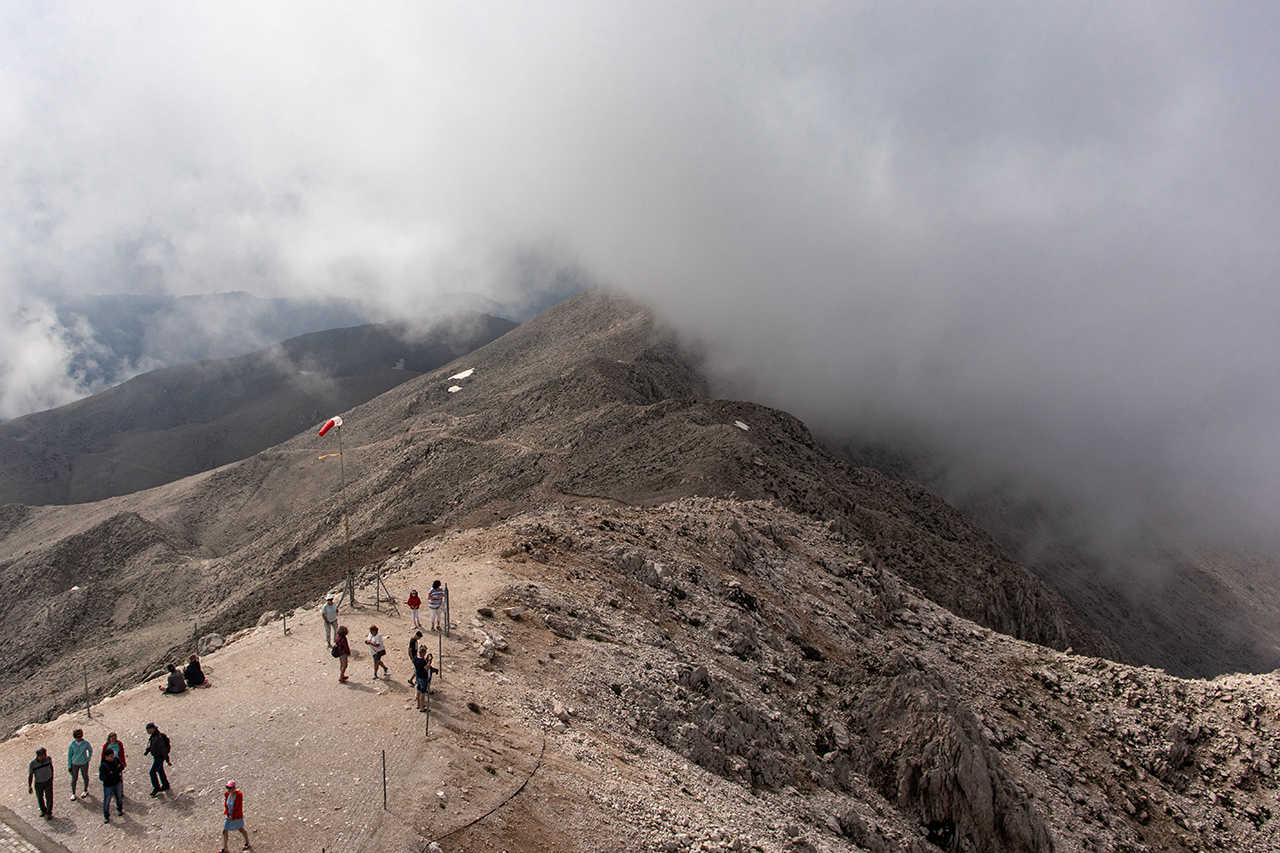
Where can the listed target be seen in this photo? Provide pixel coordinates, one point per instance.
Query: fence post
(88, 710)
(446, 609)
(384, 780)
(284, 620)
(440, 655)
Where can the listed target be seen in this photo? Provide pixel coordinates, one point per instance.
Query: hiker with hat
(329, 615)
(233, 808)
(40, 771)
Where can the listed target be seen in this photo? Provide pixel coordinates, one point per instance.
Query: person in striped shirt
(435, 604)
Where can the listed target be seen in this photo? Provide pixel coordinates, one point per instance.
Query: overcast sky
(1042, 240)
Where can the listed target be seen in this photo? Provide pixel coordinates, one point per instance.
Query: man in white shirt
(329, 615)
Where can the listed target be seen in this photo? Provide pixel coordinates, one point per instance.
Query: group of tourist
(111, 761)
(111, 766)
(336, 637)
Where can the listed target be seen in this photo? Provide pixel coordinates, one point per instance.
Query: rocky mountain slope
(589, 400)
(167, 424)
(698, 675)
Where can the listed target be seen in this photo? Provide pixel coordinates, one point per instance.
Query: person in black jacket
(110, 771)
(422, 672)
(194, 674)
(158, 749)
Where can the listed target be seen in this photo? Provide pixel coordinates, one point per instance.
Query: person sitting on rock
(176, 683)
(194, 674)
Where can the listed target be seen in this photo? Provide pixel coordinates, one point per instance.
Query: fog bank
(1037, 242)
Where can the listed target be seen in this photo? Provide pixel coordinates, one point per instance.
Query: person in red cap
(233, 808)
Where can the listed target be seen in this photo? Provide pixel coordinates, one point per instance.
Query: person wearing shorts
(379, 649)
(435, 604)
(233, 809)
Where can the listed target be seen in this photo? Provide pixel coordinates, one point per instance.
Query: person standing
(40, 771)
(114, 745)
(158, 748)
(342, 651)
(379, 648)
(435, 604)
(329, 615)
(233, 808)
(422, 670)
(110, 771)
(413, 652)
(79, 751)
(414, 603)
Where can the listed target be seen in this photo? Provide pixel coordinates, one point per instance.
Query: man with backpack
(158, 749)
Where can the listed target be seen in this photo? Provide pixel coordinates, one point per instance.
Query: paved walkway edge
(28, 833)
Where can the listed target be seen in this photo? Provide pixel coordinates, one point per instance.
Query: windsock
(334, 421)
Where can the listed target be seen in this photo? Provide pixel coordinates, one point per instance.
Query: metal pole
(440, 637)
(195, 637)
(87, 709)
(346, 518)
(384, 780)
(284, 618)
(446, 609)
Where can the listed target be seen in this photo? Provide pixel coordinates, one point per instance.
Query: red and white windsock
(334, 421)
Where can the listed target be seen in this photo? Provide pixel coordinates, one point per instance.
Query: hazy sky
(1040, 239)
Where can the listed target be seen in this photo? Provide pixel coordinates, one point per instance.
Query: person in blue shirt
(79, 751)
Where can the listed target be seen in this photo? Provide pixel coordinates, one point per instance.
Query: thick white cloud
(1039, 239)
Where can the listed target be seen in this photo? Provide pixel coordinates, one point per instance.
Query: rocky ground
(699, 675)
(590, 401)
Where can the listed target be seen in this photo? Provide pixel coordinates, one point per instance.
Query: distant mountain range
(166, 424)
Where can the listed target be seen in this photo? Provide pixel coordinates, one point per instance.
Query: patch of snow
(742, 426)
(464, 374)
(453, 389)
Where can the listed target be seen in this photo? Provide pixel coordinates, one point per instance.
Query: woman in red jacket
(113, 743)
(233, 808)
(414, 603)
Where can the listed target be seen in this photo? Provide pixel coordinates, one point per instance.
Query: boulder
(210, 643)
